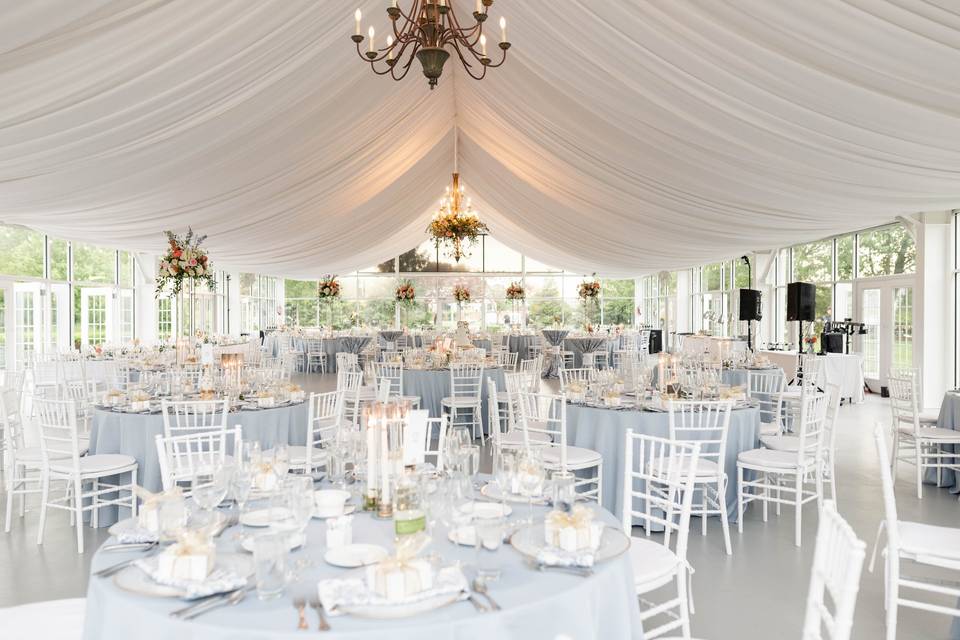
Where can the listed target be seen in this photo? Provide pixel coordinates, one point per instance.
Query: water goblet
(209, 488)
(488, 537)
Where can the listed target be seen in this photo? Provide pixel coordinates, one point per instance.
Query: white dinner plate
(264, 517)
(295, 541)
(467, 536)
(530, 540)
(479, 509)
(352, 556)
(492, 490)
(347, 510)
(134, 580)
(121, 526)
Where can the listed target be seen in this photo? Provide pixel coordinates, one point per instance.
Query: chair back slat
(192, 416)
(466, 380)
(706, 422)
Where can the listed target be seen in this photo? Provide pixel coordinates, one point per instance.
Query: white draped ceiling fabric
(620, 137)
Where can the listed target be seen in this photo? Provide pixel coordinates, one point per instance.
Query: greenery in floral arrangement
(461, 294)
(328, 288)
(405, 293)
(589, 289)
(185, 260)
(457, 229)
(515, 291)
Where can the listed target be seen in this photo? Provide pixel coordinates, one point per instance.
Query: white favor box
(195, 566)
(395, 581)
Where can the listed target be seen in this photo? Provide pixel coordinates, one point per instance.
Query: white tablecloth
(845, 370)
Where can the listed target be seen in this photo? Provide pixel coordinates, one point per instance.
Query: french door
(885, 306)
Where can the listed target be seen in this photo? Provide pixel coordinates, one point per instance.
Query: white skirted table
(842, 369)
(534, 604)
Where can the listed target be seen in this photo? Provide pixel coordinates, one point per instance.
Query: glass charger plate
(492, 490)
(529, 541)
(134, 580)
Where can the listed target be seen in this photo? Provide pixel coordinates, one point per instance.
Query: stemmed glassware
(209, 488)
(531, 476)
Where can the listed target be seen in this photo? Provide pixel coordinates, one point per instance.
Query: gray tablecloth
(273, 342)
(603, 430)
(134, 435)
(949, 419)
(535, 604)
(520, 345)
(432, 385)
(483, 343)
(343, 344)
(580, 346)
(553, 361)
(389, 336)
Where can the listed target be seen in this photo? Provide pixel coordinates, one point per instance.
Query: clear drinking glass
(281, 460)
(270, 562)
(531, 475)
(470, 454)
(504, 468)
(209, 488)
(488, 538)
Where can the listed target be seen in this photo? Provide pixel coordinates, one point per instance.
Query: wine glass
(504, 468)
(209, 488)
(531, 476)
(241, 484)
(281, 461)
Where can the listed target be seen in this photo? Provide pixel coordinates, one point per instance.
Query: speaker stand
(749, 335)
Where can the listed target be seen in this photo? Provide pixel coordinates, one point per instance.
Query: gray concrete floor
(758, 592)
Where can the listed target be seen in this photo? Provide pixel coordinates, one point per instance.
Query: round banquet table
(134, 434)
(949, 419)
(433, 385)
(603, 430)
(534, 604)
(580, 346)
(343, 344)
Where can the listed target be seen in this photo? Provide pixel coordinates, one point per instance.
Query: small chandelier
(428, 33)
(455, 222)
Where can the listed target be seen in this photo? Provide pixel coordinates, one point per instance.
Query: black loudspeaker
(656, 340)
(801, 301)
(750, 304)
(831, 342)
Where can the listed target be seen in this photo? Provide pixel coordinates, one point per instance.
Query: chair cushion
(60, 619)
(933, 433)
(29, 455)
(781, 443)
(923, 539)
(653, 563)
(576, 456)
(451, 401)
(925, 417)
(769, 429)
(768, 458)
(101, 463)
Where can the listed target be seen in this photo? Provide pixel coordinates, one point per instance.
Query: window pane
(126, 268)
(21, 252)
(93, 264)
(845, 258)
(902, 327)
(741, 275)
(422, 258)
(783, 267)
(813, 262)
(58, 259)
(247, 281)
(499, 257)
(886, 252)
(618, 301)
(711, 279)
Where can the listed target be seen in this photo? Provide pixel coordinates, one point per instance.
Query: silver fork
(481, 587)
(301, 606)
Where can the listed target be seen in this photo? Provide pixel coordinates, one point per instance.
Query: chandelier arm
(467, 66)
(408, 23)
(503, 58)
(464, 35)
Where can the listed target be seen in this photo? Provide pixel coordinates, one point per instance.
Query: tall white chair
(316, 355)
(534, 370)
(658, 493)
(350, 384)
(828, 454)
(324, 418)
(766, 387)
(503, 411)
(390, 374)
(914, 442)
(347, 361)
(810, 381)
(192, 416)
(436, 440)
(918, 542)
(543, 418)
(183, 456)
(790, 470)
(22, 465)
(582, 376)
(466, 390)
(708, 423)
(85, 476)
(837, 563)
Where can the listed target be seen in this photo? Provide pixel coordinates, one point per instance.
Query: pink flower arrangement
(461, 294)
(515, 291)
(328, 288)
(184, 260)
(589, 289)
(405, 292)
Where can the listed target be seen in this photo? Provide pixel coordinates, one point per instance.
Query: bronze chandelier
(428, 33)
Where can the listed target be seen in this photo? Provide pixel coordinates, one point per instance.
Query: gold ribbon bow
(577, 518)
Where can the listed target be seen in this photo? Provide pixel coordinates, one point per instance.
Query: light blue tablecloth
(949, 419)
(534, 605)
(432, 385)
(603, 430)
(580, 346)
(134, 435)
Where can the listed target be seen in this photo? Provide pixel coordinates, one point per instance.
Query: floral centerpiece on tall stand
(461, 294)
(328, 290)
(404, 296)
(517, 295)
(455, 221)
(185, 263)
(589, 292)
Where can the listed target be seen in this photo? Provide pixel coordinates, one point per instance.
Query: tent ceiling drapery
(621, 137)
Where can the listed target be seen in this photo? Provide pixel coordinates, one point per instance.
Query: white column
(764, 280)
(933, 340)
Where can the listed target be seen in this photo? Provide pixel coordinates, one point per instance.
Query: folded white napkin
(136, 536)
(219, 581)
(553, 557)
(353, 592)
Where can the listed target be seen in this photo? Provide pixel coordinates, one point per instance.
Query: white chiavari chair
(61, 462)
(316, 355)
(436, 440)
(504, 413)
(192, 416)
(917, 542)
(350, 384)
(324, 419)
(766, 388)
(21, 464)
(534, 370)
(535, 348)
(927, 417)
(582, 376)
(507, 360)
(466, 391)
(390, 375)
(917, 443)
(183, 456)
(347, 361)
(658, 494)
(708, 423)
(44, 374)
(809, 380)
(778, 472)
(546, 414)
